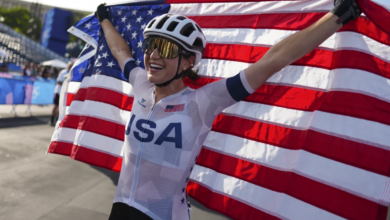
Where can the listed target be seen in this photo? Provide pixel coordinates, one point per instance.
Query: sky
(90, 5)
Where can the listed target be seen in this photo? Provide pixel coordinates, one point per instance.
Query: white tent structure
(55, 63)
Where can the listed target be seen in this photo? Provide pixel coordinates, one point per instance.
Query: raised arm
(118, 46)
(297, 45)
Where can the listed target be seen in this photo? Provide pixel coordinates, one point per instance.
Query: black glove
(346, 10)
(102, 12)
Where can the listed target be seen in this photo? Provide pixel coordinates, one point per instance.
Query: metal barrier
(17, 90)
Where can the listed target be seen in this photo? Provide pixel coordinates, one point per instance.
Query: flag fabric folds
(312, 143)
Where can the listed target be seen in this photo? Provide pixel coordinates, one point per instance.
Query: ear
(188, 62)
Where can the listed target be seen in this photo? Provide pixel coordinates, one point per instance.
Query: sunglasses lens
(166, 49)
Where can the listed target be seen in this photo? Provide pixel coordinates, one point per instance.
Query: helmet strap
(177, 76)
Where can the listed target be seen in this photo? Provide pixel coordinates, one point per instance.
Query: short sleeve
(133, 73)
(217, 96)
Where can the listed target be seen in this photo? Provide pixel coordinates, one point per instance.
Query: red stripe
(61, 148)
(289, 21)
(95, 125)
(86, 155)
(317, 58)
(107, 96)
(318, 194)
(356, 154)
(336, 102)
(225, 204)
(69, 98)
(376, 13)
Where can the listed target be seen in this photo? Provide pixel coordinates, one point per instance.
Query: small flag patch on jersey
(174, 108)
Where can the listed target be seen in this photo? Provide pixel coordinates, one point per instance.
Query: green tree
(21, 21)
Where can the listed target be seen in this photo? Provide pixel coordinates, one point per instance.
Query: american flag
(312, 143)
(174, 108)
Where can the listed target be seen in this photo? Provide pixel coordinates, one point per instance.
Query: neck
(174, 87)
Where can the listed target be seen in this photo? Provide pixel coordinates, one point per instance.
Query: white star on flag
(139, 44)
(88, 25)
(81, 70)
(124, 19)
(143, 26)
(139, 19)
(134, 12)
(101, 47)
(132, 51)
(138, 61)
(128, 27)
(98, 33)
(105, 55)
(150, 12)
(119, 12)
(117, 28)
(110, 64)
(134, 35)
(97, 61)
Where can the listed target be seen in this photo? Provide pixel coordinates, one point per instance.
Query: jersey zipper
(139, 157)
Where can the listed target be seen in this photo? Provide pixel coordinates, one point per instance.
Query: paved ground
(37, 186)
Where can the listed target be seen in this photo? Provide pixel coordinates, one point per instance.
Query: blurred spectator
(39, 70)
(56, 73)
(45, 72)
(4, 67)
(57, 90)
(26, 69)
(33, 69)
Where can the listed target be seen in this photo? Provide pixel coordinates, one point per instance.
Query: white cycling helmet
(180, 29)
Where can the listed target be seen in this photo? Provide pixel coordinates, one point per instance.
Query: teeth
(156, 66)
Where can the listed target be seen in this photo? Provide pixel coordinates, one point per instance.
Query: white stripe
(274, 203)
(99, 110)
(241, 8)
(356, 129)
(89, 140)
(359, 130)
(351, 80)
(339, 175)
(73, 87)
(271, 114)
(111, 83)
(270, 37)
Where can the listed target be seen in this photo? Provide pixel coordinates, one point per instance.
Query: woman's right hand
(102, 12)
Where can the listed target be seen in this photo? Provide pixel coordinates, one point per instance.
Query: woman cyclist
(169, 121)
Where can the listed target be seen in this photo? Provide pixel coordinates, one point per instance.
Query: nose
(155, 54)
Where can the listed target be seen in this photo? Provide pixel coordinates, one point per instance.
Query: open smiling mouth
(154, 66)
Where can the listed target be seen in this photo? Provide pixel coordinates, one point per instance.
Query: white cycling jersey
(163, 142)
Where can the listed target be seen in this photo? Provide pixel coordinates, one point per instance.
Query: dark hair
(190, 73)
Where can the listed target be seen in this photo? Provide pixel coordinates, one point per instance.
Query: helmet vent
(199, 29)
(151, 23)
(198, 43)
(181, 18)
(162, 22)
(172, 26)
(187, 30)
